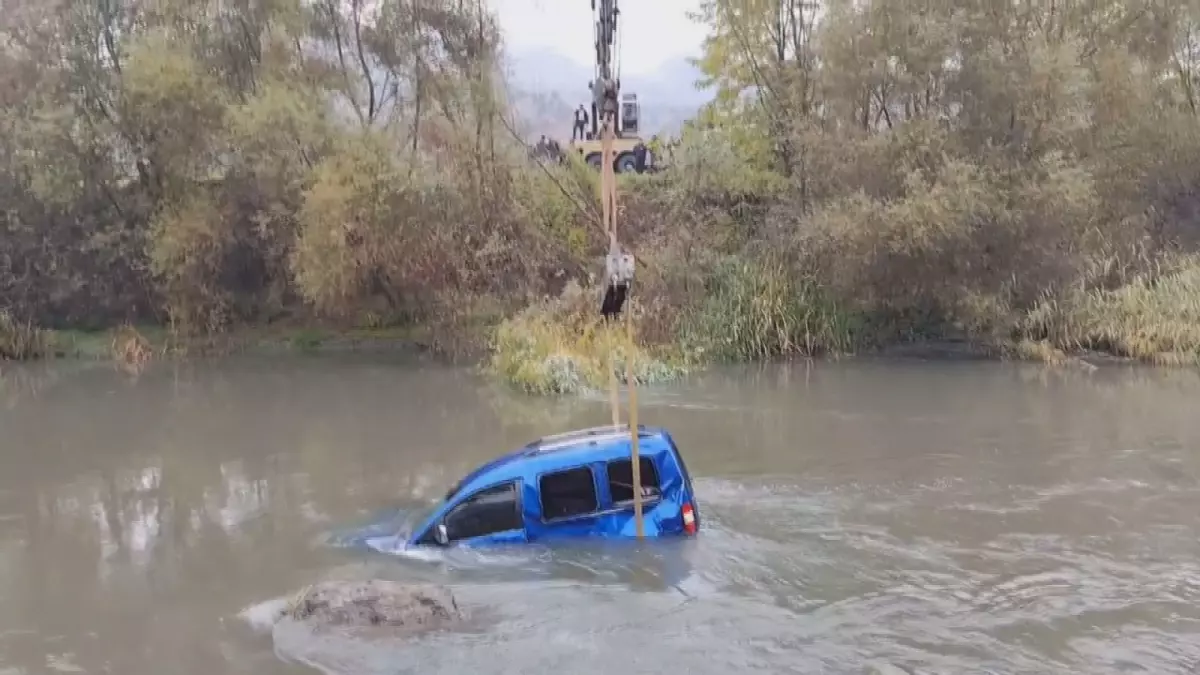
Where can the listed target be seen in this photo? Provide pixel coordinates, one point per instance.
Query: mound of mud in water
(520, 628)
(375, 603)
(336, 626)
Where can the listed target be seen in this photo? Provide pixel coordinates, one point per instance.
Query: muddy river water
(889, 517)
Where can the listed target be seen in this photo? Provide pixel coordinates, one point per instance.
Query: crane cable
(620, 272)
(619, 265)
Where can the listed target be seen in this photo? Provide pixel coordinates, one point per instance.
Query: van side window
(620, 480)
(568, 493)
(488, 511)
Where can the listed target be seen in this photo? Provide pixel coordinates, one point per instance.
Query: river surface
(892, 517)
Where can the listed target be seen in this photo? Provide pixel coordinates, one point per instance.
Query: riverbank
(149, 342)
(755, 313)
(891, 218)
(558, 346)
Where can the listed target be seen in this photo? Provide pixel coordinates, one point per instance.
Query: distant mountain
(546, 86)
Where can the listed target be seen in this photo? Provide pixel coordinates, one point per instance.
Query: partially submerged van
(576, 484)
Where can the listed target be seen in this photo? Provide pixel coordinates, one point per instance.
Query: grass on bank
(560, 346)
(21, 340)
(137, 345)
(1155, 318)
(753, 312)
(744, 312)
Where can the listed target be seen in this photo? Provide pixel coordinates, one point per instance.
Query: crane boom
(606, 32)
(619, 112)
(606, 82)
(619, 264)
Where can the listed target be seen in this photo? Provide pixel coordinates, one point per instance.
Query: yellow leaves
(322, 262)
(941, 216)
(189, 233)
(278, 131)
(280, 111)
(560, 347)
(349, 223)
(201, 145)
(187, 250)
(158, 74)
(174, 105)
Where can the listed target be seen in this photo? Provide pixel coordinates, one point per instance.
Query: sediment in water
(338, 626)
(375, 603)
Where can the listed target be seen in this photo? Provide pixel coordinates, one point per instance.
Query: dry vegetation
(1023, 173)
(212, 165)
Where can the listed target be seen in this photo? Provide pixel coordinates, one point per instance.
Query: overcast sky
(651, 31)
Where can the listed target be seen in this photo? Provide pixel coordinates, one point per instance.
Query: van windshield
(414, 518)
(418, 515)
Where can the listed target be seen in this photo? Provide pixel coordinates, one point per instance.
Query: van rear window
(568, 493)
(620, 480)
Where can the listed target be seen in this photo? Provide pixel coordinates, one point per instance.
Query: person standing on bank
(581, 120)
(639, 157)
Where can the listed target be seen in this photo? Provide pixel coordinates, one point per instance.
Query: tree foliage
(949, 165)
(207, 162)
(905, 167)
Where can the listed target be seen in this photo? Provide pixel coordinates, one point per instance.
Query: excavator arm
(619, 264)
(605, 84)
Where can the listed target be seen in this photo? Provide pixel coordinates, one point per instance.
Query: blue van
(576, 484)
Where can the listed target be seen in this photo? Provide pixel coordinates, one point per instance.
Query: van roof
(602, 443)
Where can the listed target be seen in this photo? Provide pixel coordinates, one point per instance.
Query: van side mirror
(440, 535)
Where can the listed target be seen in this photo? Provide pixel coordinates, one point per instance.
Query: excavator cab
(630, 111)
(607, 100)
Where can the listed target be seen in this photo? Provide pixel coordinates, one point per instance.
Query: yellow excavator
(626, 137)
(628, 111)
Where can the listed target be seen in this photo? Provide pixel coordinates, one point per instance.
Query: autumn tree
(952, 163)
(207, 163)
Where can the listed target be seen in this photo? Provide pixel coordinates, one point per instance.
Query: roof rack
(604, 432)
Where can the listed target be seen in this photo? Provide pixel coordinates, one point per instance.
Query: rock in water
(357, 604)
(358, 627)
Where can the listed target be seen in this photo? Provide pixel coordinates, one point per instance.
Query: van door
(568, 504)
(659, 515)
(489, 516)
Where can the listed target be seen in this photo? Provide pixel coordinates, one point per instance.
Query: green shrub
(555, 199)
(561, 347)
(754, 311)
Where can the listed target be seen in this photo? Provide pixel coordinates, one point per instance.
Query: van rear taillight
(689, 518)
